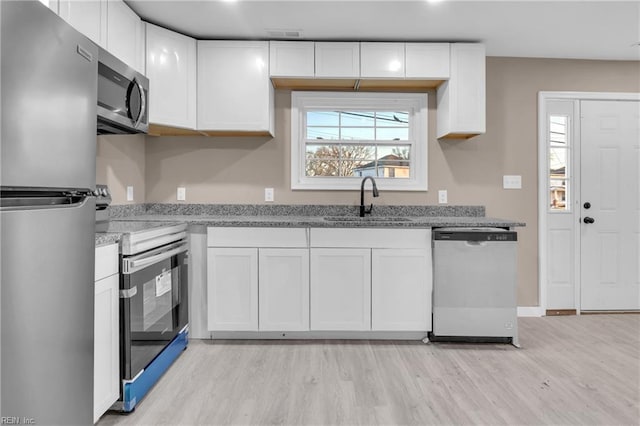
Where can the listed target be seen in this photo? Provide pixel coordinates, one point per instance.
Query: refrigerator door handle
(18, 202)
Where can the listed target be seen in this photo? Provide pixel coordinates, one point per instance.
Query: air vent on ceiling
(284, 33)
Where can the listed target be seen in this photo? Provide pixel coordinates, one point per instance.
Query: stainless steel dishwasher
(474, 285)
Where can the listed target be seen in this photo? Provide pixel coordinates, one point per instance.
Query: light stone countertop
(322, 222)
(106, 238)
(305, 217)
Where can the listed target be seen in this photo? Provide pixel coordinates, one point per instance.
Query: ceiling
(544, 29)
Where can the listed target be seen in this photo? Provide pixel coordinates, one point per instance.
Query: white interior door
(610, 205)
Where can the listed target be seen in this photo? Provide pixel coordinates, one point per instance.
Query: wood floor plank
(571, 370)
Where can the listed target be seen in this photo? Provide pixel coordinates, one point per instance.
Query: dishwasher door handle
(475, 243)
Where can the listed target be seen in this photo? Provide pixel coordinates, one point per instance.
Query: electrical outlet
(129, 193)
(182, 193)
(512, 182)
(442, 196)
(268, 194)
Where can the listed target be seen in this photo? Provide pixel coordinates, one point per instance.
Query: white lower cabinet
(257, 279)
(232, 294)
(400, 289)
(106, 361)
(318, 280)
(371, 279)
(283, 280)
(340, 289)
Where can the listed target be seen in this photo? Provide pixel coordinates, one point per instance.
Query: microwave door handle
(143, 104)
(133, 265)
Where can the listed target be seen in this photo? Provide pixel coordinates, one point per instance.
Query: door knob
(587, 205)
(588, 220)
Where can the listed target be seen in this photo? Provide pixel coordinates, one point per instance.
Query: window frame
(415, 103)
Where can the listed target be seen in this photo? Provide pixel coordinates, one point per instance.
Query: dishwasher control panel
(474, 234)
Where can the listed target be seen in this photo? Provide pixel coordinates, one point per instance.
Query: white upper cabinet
(337, 59)
(381, 60)
(427, 60)
(235, 93)
(125, 34)
(51, 4)
(291, 59)
(89, 17)
(461, 101)
(171, 69)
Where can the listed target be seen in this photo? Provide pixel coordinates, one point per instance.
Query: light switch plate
(182, 193)
(268, 194)
(442, 196)
(512, 182)
(129, 193)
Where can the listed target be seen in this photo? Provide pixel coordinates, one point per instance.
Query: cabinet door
(235, 93)
(291, 59)
(171, 69)
(232, 289)
(461, 111)
(106, 361)
(340, 289)
(51, 4)
(427, 61)
(382, 60)
(125, 34)
(337, 59)
(284, 289)
(89, 17)
(401, 289)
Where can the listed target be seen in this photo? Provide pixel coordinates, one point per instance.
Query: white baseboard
(530, 311)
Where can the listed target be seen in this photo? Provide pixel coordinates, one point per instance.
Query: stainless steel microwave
(123, 95)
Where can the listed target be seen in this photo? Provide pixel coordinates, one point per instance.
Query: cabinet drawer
(106, 261)
(257, 237)
(370, 238)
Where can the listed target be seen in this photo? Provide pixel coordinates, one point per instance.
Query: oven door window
(154, 313)
(159, 298)
(153, 307)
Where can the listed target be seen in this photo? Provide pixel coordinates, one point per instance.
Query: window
(558, 162)
(339, 138)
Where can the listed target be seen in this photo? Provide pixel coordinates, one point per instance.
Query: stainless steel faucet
(363, 209)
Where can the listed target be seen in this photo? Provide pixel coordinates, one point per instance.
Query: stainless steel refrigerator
(47, 217)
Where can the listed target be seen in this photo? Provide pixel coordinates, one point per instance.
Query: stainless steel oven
(153, 303)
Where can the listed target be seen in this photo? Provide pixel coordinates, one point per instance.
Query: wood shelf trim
(350, 84)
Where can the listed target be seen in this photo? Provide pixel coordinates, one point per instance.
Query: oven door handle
(133, 265)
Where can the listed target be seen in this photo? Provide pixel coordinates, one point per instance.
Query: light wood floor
(570, 370)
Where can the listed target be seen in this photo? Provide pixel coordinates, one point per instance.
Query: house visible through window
(558, 162)
(339, 138)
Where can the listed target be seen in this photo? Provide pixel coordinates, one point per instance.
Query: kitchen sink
(366, 219)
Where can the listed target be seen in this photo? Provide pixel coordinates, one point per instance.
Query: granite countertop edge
(309, 221)
(321, 222)
(106, 238)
